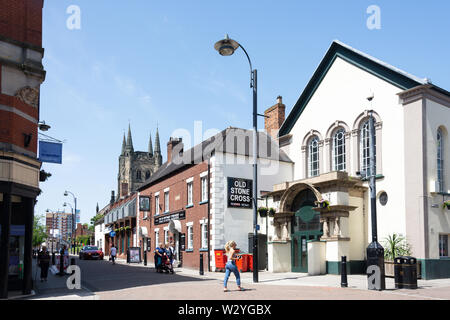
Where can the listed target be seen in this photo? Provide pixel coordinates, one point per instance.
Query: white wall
(342, 96)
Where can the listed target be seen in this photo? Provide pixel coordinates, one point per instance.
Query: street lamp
(227, 47)
(71, 232)
(66, 193)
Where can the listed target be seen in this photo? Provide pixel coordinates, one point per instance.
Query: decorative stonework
(281, 223)
(29, 96)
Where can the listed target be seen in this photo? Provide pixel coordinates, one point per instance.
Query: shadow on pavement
(104, 276)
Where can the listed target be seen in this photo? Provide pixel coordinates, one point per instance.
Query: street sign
(112, 234)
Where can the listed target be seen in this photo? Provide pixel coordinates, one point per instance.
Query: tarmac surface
(100, 280)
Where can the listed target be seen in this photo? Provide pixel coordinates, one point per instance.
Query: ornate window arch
(360, 136)
(337, 146)
(312, 150)
(138, 174)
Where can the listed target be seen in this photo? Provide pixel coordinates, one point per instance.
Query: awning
(175, 226)
(144, 232)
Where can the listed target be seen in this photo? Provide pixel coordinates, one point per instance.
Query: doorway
(305, 226)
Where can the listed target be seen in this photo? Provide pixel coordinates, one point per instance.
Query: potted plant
(446, 204)
(263, 211)
(395, 245)
(323, 204)
(271, 212)
(127, 228)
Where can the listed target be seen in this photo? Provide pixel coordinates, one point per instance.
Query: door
(299, 253)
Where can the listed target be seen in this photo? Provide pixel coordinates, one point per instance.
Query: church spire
(129, 145)
(150, 146)
(157, 144)
(124, 144)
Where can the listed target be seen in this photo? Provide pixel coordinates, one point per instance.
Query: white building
(326, 136)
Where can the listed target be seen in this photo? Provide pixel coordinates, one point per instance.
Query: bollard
(145, 258)
(61, 264)
(344, 283)
(201, 264)
(53, 258)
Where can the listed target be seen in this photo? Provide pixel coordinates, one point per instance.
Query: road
(134, 282)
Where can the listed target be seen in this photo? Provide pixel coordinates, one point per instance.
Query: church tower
(135, 167)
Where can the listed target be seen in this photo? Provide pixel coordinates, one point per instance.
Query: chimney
(174, 146)
(113, 198)
(274, 118)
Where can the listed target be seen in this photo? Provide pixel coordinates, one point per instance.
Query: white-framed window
(190, 235)
(204, 230)
(364, 149)
(440, 160)
(204, 186)
(338, 150)
(166, 236)
(190, 196)
(443, 246)
(156, 238)
(157, 205)
(166, 201)
(313, 155)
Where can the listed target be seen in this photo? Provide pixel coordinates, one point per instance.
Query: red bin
(250, 262)
(242, 264)
(220, 259)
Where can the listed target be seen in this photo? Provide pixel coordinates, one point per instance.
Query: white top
(113, 251)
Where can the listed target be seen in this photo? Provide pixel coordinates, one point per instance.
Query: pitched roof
(391, 74)
(230, 140)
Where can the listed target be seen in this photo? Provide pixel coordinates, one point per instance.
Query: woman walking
(44, 263)
(230, 248)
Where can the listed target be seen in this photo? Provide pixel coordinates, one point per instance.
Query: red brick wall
(178, 188)
(274, 118)
(21, 20)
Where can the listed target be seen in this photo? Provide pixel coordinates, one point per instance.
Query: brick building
(21, 74)
(191, 198)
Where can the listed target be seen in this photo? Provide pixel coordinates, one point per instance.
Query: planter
(389, 269)
(271, 212)
(263, 211)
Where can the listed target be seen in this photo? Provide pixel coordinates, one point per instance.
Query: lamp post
(227, 47)
(66, 193)
(71, 232)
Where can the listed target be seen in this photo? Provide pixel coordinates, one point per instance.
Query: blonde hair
(229, 244)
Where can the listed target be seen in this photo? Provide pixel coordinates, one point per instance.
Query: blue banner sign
(50, 152)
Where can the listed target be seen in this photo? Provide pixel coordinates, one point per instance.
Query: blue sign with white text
(112, 234)
(50, 152)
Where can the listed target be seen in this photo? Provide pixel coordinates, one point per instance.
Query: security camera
(370, 98)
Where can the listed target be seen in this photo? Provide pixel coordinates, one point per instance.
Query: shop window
(443, 245)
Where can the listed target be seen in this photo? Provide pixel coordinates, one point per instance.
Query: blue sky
(152, 62)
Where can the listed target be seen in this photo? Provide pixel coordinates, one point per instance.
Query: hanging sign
(50, 152)
(240, 193)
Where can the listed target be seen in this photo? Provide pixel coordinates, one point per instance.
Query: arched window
(138, 174)
(147, 174)
(313, 157)
(440, 160)
(364, 149)
(338, 150)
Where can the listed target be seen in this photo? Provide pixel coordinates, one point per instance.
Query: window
(157, 239)
(166, 236)
(157, 205)
(166, 201)
(190, 235)
(364, 149)
(190, 199)
(138, 174)
(440, 161)
(313, 153)
(204, 235)
(338, 150)
(147, 174)
(204, 181)
(443, 245)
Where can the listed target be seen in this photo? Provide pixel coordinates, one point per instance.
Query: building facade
(58, 228)
(326, 135)
(201, 198)
(21, 75)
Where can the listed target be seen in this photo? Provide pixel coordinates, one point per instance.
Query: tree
(39, 234)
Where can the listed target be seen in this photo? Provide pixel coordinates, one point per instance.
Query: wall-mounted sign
(144, 203)
(240, 193)
(173, 216)
(50, 151)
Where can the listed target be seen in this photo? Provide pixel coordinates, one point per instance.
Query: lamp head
(65, 193)
(227, 46)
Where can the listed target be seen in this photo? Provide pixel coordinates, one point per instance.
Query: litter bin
(410, 273)
(220, 259)
(242, 263)
(398, 272)
(250, 261)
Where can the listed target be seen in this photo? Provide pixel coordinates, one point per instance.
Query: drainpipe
(209, 208)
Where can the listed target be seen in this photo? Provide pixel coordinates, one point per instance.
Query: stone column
(5, 220)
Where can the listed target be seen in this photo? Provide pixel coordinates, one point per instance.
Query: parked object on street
(91, 252)
(405, 270)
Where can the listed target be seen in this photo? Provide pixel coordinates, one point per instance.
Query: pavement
(103, 281)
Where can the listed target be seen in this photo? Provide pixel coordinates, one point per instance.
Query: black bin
(410, 273)
(405, 271)
(398, 272)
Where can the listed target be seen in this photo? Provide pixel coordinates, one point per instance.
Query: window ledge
(189, 206)
(203, 250)
(189, 250)
(203, 202)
